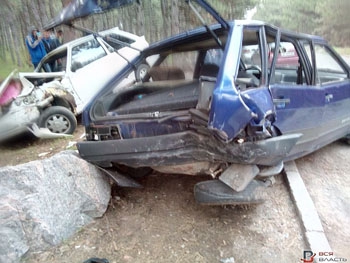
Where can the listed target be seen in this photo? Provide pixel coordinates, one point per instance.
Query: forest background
(157, 19)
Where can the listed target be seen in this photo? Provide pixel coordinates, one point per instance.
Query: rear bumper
(185, 147)
(15, 123)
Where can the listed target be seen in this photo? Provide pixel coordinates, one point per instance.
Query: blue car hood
(81, 8)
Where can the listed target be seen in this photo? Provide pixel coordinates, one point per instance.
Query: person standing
(60, 36)
(58, 39)
(50, 43)
(47, 41)
(35, 46)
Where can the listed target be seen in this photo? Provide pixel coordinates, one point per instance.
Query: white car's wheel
(58, 119)
(141, 71)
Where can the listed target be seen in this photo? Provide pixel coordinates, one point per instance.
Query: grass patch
(6, 67)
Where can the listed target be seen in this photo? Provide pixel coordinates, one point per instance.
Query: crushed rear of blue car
(203, 109)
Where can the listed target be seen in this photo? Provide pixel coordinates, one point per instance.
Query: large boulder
(44, 202)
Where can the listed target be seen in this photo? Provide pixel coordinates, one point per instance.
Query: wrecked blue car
(202, 109)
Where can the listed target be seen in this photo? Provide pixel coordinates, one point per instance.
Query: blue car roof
(200, 33)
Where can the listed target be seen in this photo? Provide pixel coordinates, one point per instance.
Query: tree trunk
(175, 18)
(165, 15)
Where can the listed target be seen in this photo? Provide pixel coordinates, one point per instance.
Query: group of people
(40, 44)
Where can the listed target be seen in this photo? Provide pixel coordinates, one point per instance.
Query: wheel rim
(58, 123)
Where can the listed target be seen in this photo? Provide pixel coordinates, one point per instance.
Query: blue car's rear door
(333, 77)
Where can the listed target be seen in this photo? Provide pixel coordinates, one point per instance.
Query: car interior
(181, 79)
(168, 88)
(184, 77)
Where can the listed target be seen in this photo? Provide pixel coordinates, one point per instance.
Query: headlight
(29, 100)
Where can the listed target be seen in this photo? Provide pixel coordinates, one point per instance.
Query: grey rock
(45, 202)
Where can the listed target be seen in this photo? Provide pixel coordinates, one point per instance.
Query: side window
(288, 69)
(250, 55)
(250, 70)
(212, 62)
(213, 56)
(328, 68)
(55, 63)
(86, 53)
(113, 40)
(175, 66)
(308, 51)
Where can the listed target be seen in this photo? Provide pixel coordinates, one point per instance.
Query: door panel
(336, 117)
(299, 110)
(299, 104)
(332, 76)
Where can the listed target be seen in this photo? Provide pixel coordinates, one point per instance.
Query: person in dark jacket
(51, 42)
(35, 46)
(59, 36)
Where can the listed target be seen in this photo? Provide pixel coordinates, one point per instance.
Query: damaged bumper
(185, 147)
(17, 122)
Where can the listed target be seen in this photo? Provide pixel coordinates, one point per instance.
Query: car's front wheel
(58, 119)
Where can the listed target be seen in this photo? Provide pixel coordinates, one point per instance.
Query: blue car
(202, 109)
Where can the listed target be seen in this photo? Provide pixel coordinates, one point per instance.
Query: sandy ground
(326, 174)
(162, 222)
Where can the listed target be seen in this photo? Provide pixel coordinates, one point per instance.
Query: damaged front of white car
(46, 101)
(25, 106)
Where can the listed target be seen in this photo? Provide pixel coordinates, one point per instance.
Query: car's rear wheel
(58, 119)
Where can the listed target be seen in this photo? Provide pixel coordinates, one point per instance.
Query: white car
(65, 81)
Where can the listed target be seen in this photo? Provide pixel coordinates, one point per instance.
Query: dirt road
(162, 222)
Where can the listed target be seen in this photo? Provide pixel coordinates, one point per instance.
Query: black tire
(134, 172)
(346, 139)
(141, 71)
(58, 119)
(140, 172)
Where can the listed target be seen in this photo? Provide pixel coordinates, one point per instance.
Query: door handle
(329, 97)
(281, 102)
